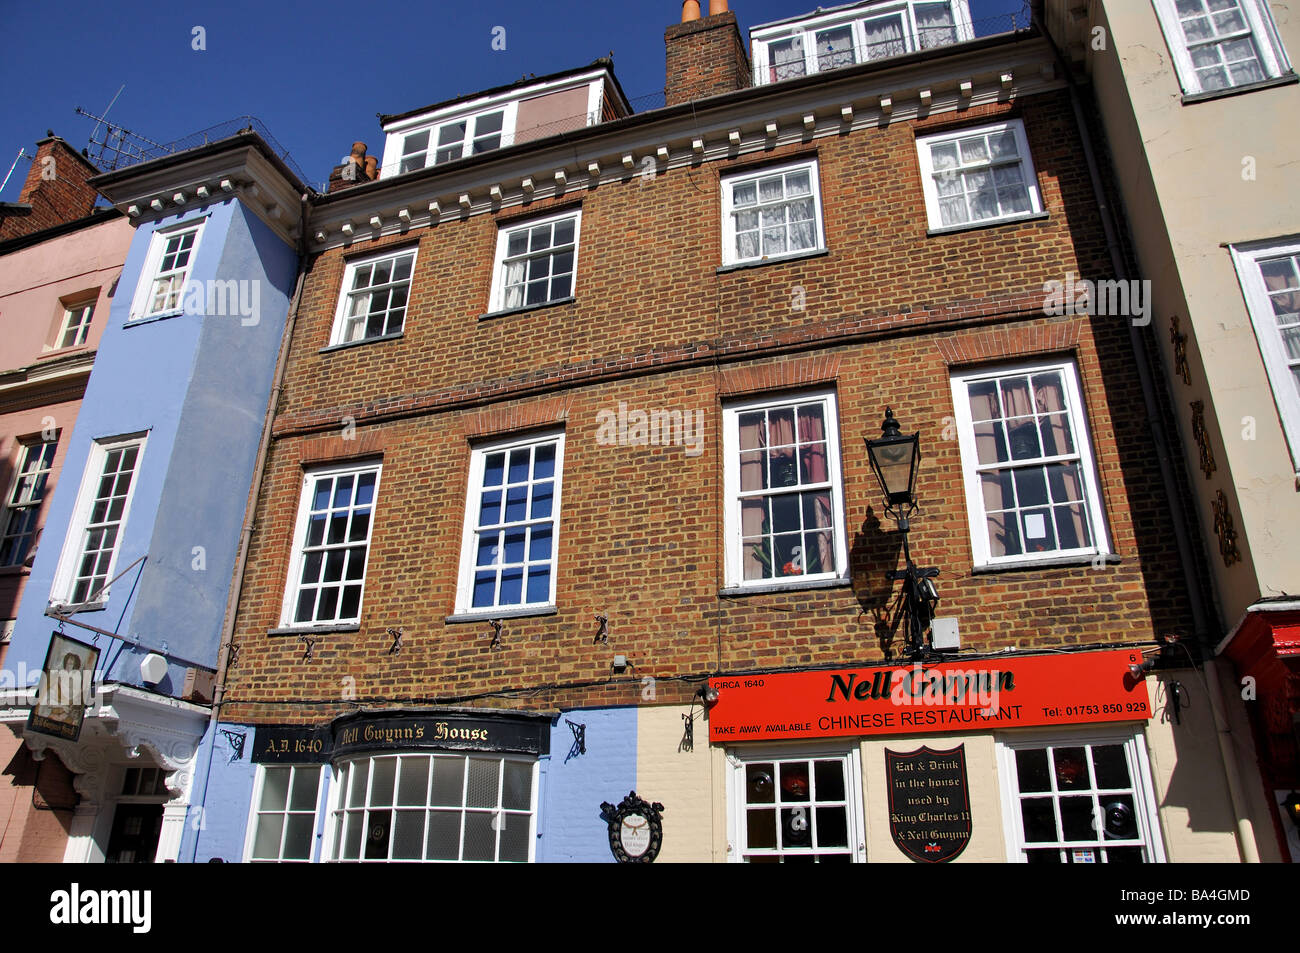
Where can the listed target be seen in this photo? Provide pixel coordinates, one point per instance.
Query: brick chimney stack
(706, 56)
(56, 189)
(356, 169)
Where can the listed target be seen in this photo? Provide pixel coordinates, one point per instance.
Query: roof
(819, 12)
(96, 216)
(721, 100)
(246, 137)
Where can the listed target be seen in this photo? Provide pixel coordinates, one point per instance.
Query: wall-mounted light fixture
(896, 457)
(1291, 808)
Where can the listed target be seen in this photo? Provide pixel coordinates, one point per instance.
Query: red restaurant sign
(1066, 689)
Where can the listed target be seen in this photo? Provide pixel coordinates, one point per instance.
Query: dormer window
(861, 34)
(469, 135)
(498, 119)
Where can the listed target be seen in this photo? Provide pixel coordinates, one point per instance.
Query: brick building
(566, 496)
(1226, 294)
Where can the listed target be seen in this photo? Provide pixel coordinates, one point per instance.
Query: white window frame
(732, 524)
(339, 795)
(255, 812)
(1286, 395)
(924, 147)
(84, 313)
(74, 543)
(293, 583)
(1082, 449)
(730, 254)
(478, 460)
(854, 18)
(346, 293)
(504, 231)
(151, 273)
(395, 133)
(396, 141)
(1273, 60)
(1139, 766)
(27, 505)
(737, 827)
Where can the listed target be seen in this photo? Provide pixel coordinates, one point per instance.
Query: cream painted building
(1198, 102)
(1184, 811)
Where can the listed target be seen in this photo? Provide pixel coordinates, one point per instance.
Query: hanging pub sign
(929, 802)
(974, 695)
(636, 830)
(66, 688)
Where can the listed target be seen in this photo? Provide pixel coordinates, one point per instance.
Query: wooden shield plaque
(929, 803)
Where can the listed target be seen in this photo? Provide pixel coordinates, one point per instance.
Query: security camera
(1121, 822)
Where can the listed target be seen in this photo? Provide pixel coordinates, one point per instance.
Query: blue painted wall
(572, 790)
(211, 466)
(198, 385)
(224, 788)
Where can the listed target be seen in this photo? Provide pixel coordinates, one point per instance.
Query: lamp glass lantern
(1292, 808)
(895, 457)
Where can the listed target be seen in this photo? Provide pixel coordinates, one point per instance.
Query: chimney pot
(716, 7)
(690, 10)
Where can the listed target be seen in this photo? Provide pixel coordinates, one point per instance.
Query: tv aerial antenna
(112, 146)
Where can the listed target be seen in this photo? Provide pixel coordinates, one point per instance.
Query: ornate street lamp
(896, 457)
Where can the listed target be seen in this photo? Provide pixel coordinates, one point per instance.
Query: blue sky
(315, 73)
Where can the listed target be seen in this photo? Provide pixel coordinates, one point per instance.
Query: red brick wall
(55, 188)
(705, 57)
(889, 313)
(31, 831)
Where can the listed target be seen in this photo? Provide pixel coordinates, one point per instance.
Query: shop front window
(435, 807)
(1081, 801)
(796, 809)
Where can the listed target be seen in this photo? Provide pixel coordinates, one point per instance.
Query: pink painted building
(60, 260)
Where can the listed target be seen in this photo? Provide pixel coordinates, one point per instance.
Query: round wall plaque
(635, 829)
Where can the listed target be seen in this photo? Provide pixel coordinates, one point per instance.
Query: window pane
(355, 828)
(298, 836)
(794, 781)
(1119, 817)
(761, 828)
(1071, 769)
(830, 780)
(306, 782)
(786, 57)
(378, 831)
(266, 843)
(1038, 819)
(832, 827)
(1077, 819)
(480, 836)
(408, 835)
(518, 786)
(444, 835)
(1031, 770)
(1110, 766)
(413, 783)
(515, 837)
(448, 781)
